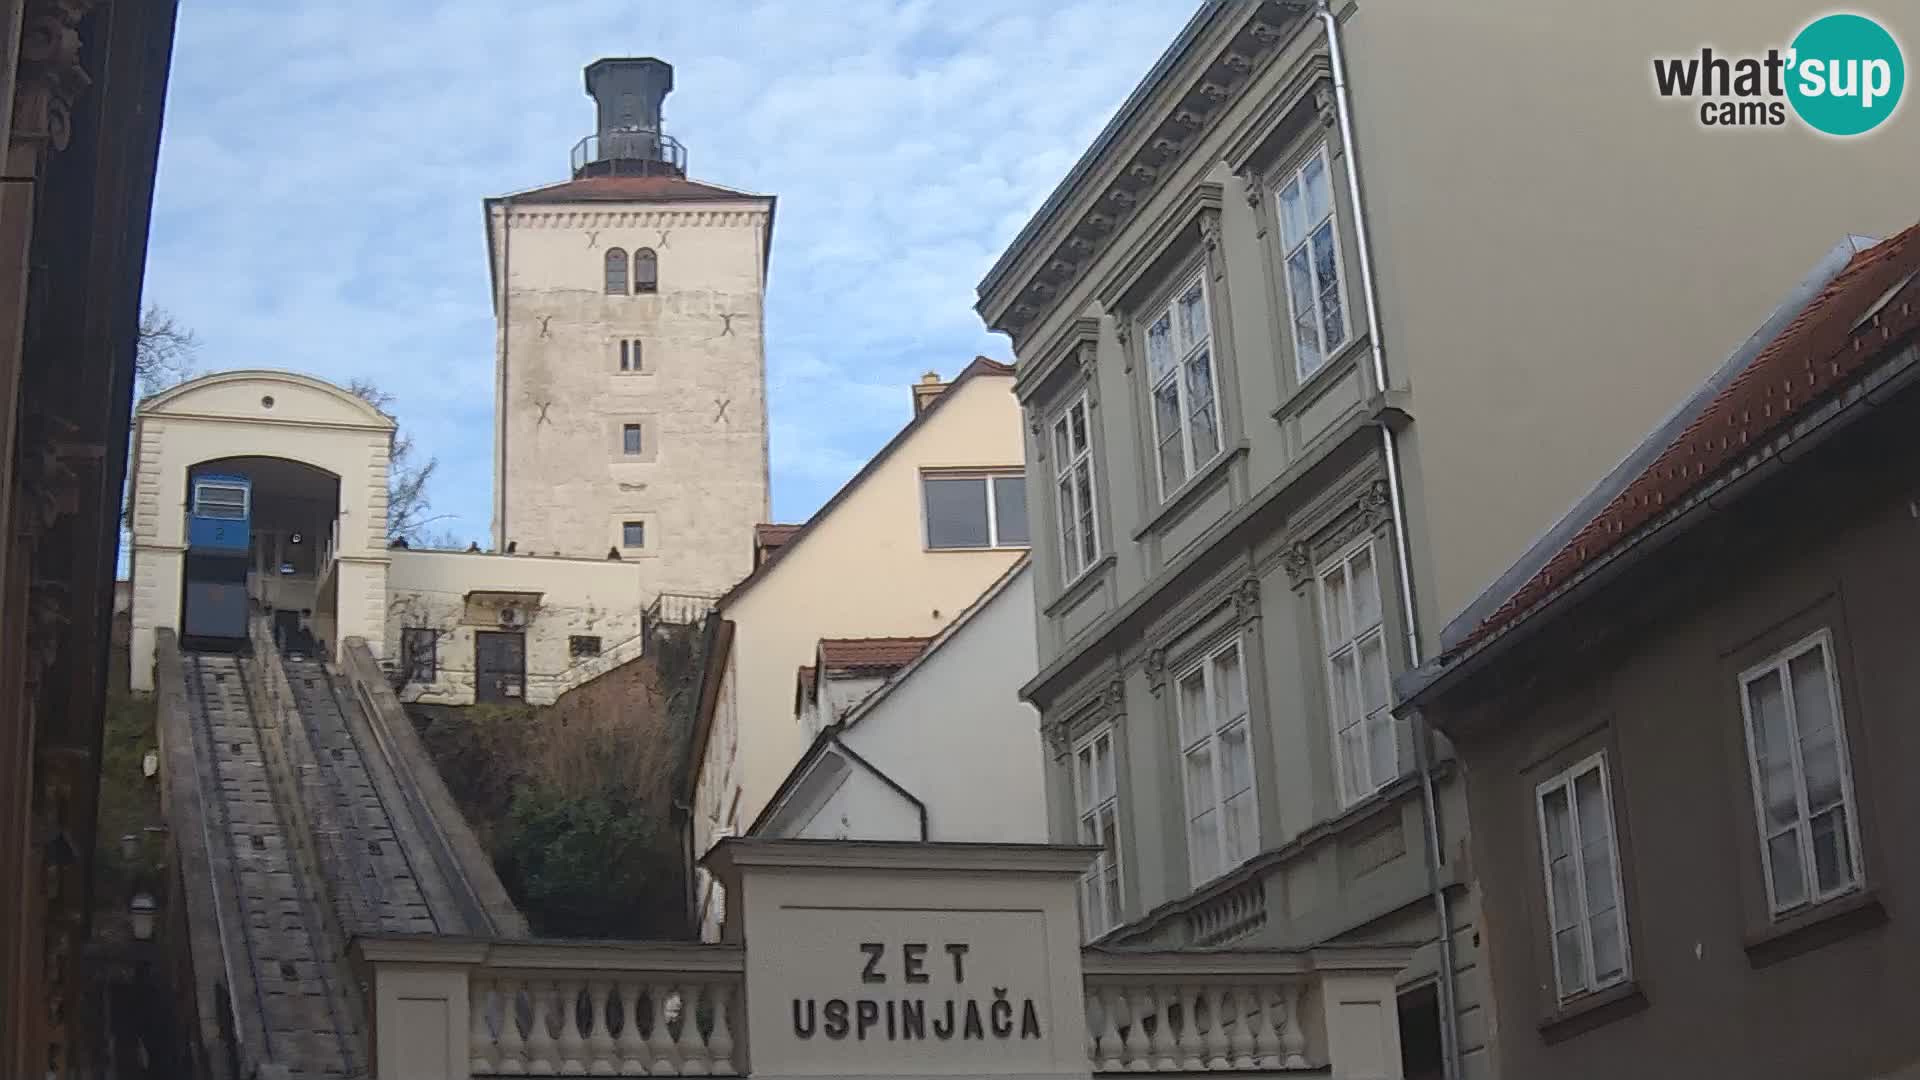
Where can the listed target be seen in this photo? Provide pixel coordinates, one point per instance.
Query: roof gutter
(1403, 553)
(1840, 414)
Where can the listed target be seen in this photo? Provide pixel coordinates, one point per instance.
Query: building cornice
(1130, 165)
(734, 853)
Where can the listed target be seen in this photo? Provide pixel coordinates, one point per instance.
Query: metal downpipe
(1396, 492)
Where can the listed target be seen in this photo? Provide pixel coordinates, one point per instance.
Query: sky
(322, 167)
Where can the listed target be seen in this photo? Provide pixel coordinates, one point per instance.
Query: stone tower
(630, 411)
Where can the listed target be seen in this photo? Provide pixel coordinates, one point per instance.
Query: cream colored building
(1343, 309)
(630, 411)
(452, 627)
(319, 459)
(872, 562)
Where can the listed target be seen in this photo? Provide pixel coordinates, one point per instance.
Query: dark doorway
(1420, 1054)
(499, 666)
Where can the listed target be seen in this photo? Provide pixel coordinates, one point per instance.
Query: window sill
(1336, 368)
(1589, 1011)
(976, 550)
(1188, 493)
(1080, 585)
(1841, 917)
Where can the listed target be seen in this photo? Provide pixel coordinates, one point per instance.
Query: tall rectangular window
(633, 534)
(1366, 746)
(630, 354)
(1186, 414)
(987, 510)
(418, 654)
(1582, 865)
(1073, 490)
(1802, 778)
(1096, 800)
(630, 438)
(1316, 294)
(1216, 751)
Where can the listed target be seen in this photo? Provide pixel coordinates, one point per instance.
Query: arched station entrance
(311, 460)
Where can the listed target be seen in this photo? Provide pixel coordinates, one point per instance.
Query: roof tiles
(1824, 346)
(870, 654)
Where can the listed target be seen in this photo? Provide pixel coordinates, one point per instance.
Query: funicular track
(375, 883)
(297, 981)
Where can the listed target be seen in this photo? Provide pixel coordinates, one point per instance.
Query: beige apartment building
(1344, 308)
(902, 550)
(631, 414)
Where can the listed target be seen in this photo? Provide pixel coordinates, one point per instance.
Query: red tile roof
(771, 537)
(1817, 352)
(870, 654)
(629, 189)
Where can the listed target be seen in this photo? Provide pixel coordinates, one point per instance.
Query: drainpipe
(1402, 549)
(500, 377)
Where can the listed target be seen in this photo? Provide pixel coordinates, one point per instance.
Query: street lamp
(142, 912)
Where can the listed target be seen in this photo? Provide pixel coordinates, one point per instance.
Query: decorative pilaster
(1246, 602)
(1210, 240)
(1156, 668)
(1297, 560)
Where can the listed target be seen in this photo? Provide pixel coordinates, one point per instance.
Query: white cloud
(322, 169)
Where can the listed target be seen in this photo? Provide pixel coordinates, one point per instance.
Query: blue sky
(322, 166)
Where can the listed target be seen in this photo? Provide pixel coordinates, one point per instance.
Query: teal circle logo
(1846, 75)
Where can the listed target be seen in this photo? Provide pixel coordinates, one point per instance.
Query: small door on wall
(499, 666)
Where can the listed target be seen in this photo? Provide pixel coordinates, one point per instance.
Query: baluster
(1266, 1041)
(1110, 1048)
(633, 1048)
(513, 1048)
(1190, 1045)
(540, 1048)
(480, 1053)
(1242, 1033)
(1293, 1037)
(659, 1040)
(1217, 1014)
(600, 1061)
(1095, 1017)
(692, 1047)
(1135, 1046)
(572, 1045)
(1158, 1000)
(720, 1043)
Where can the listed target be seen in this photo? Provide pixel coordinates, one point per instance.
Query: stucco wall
(956, 735)
(229, 415)
(428, 589)
(863, 571)
(700, 483)
(1563, 255)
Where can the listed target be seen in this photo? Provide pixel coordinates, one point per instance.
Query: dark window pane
(624, 359)
(630, 439)
(633, 534)
(616, 272)
(957, 513)
(646, 271)
(1010, 509)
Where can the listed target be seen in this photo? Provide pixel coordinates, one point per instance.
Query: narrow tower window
(646, 271)
(630, 354)
(616, 272)
(630, 438)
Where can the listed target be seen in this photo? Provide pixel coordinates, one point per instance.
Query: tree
(164, 352)
(407, 502)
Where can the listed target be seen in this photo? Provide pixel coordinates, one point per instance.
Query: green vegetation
(129, 802)
(573, 801)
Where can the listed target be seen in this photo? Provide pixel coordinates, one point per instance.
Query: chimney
(924, 391)
(628, 140)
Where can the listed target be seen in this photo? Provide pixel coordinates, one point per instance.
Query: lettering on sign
(961, 1014)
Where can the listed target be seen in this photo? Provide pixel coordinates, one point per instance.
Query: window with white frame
(1802, 778)
(1180, 374)
(980, 510)
(1365, 738)
(1096, 799)
(1216, 752)
(1073, 490)
(1581, 862)
(1316, 293)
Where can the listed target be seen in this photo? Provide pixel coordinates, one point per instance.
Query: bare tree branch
(407, 479)
(164, 352)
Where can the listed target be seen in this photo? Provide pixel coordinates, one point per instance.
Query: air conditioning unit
(512, 618)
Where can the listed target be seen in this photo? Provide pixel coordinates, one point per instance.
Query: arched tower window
(617, 272)
(646, 271)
